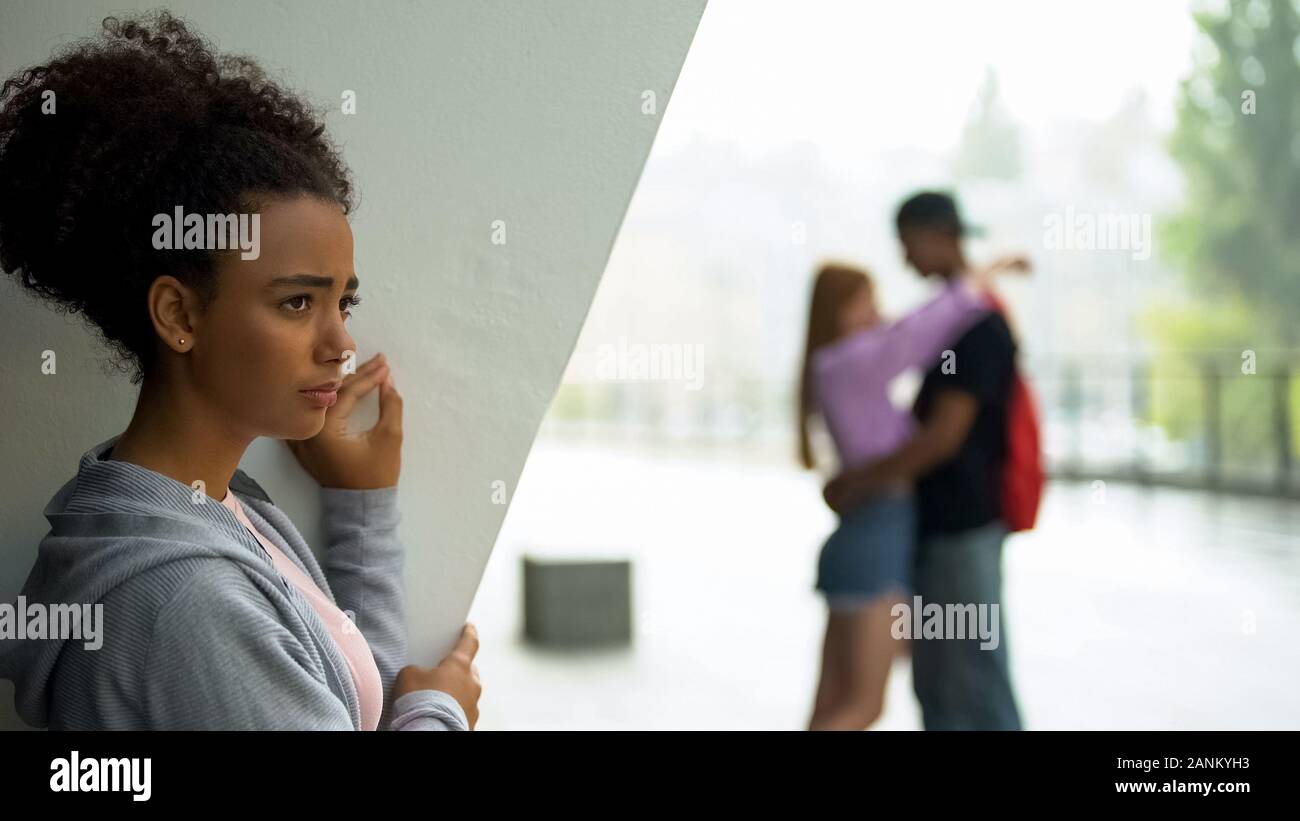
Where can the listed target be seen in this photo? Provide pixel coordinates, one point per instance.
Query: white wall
(467, 112)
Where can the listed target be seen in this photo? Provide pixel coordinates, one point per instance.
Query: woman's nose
(339, 343)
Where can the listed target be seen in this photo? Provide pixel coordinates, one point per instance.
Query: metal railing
(1196, 424)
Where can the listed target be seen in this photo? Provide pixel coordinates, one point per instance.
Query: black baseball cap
(936, 209)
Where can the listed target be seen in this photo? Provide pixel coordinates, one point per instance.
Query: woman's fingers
(359, 384)
(369, 366)
(390, 408)
(1019, 263)
(468, 643)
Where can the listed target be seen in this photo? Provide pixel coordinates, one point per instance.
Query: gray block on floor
(577, 603)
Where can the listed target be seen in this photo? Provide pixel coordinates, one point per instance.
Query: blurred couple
(918, 492)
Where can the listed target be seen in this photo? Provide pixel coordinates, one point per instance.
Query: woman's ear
(173, 309)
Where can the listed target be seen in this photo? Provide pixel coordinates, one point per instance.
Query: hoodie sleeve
(220, 659)
(363, 561)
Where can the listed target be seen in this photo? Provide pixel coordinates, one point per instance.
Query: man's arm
(937, 441)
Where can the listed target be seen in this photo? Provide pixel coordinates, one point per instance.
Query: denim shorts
(871, 552)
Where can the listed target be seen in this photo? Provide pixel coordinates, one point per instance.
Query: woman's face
(859, 311)
(276, 325)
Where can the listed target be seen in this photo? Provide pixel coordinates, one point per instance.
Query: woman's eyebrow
(311, 281)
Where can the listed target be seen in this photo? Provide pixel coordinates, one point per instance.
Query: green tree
(1238, 141)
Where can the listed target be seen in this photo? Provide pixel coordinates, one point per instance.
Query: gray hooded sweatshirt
(198, 628)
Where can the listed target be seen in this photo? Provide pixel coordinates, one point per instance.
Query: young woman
(851, 356)
(215, 612)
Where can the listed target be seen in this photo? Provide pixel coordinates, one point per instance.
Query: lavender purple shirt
(851, 376)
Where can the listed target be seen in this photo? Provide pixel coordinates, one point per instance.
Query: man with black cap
(955, 459)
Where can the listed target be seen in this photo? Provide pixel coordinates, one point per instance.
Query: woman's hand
(1011, 263)
(455, 675)
(357, 461)
(982, 277)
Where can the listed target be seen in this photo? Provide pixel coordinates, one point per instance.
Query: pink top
(851, 377)
(370, 689)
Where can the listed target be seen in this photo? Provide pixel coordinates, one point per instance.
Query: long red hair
(835, 285)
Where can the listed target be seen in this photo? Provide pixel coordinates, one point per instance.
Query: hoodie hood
(109, 523)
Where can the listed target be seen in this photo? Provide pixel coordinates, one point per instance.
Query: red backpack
(1022, 472)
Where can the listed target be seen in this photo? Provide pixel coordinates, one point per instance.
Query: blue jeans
(961, 686)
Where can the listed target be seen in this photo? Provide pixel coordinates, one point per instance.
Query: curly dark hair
(147, 117)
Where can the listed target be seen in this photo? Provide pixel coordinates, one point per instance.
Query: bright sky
(856, 77)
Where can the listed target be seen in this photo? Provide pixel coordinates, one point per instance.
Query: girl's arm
(921, 336)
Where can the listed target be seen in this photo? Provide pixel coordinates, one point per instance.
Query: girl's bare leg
(833, 683)
(870, 653)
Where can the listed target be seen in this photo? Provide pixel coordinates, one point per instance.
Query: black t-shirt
(964, 492)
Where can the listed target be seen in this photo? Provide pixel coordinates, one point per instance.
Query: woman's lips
(322, 398)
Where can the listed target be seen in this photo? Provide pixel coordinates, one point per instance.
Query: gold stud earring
(182, 340)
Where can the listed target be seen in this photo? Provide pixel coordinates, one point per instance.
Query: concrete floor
(1145, 609)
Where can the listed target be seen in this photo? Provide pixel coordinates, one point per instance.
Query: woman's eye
(301, 303)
